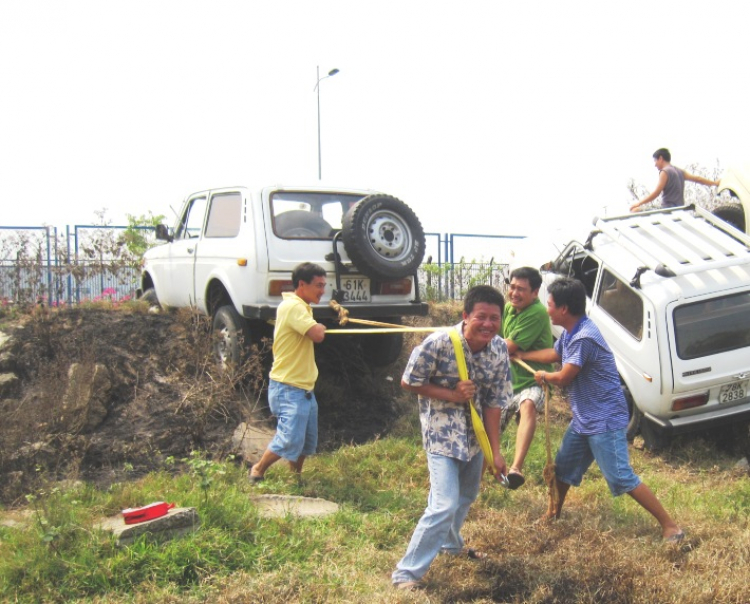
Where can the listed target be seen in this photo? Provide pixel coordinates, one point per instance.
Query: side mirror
(162, 233)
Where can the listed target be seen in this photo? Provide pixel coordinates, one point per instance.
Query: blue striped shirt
(596, 398)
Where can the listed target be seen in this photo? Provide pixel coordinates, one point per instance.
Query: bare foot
(546, 519)
(673, 534)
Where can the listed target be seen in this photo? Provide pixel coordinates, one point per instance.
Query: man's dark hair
(569, 292)
(306, 272)
(483, 293)
(664, 154)
(533, 276)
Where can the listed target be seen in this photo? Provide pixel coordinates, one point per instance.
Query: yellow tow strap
(386, 330)
(476, 421)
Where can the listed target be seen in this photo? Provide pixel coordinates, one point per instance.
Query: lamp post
(333, 72)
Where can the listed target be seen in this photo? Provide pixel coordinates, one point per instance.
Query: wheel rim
(389, 236)
(223, 346)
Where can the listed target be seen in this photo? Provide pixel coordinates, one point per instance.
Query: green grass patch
(602, 550)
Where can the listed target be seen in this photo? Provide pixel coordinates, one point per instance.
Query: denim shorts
(610, 450)
(297, 413)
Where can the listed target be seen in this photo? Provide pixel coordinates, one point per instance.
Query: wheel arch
(147, 281)
(217, 295)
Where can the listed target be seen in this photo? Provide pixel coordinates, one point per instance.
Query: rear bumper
(359, 311)
(702, 421)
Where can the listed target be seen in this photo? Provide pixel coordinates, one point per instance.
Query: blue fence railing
(90, 262)
(85, 262)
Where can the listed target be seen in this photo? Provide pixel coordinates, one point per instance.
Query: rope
(400, 329)
(344, 317)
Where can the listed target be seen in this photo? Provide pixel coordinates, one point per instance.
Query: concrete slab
(177, 522)
(274, 506)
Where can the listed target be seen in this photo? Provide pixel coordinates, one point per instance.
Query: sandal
(255, 479)
(409, 585)
(468, 552)
(515, 480)
(676, 538)
(474, 554)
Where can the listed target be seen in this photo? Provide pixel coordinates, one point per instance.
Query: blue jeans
(297, 413)
(610, 450)
(454, 485)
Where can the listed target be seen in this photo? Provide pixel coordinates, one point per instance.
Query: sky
(485, 117)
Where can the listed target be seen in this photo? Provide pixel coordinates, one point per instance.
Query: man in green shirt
(526, 327)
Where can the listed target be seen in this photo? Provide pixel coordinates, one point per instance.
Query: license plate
(355, 289)
(733, 392)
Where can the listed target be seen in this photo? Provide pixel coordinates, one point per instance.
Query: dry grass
(602, 550)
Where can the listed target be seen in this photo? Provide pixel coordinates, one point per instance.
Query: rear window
(309, 215)
(712, 326)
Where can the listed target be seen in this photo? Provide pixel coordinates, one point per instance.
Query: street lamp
(333, 72)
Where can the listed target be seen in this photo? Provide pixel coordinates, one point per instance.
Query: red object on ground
(147, 512)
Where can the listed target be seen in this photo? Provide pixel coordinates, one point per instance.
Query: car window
(621, 303)
(579, 264)
(191, 223)
(224, 215)
(309, 215)
(712, 326)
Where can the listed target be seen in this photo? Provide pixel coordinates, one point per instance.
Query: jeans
(609, 449)
(454, 485)
(297, 413)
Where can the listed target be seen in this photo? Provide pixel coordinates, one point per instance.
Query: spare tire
(298, 224)
(733, 214)
(383, 237)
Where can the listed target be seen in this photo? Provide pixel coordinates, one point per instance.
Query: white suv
(232, 251)
(670, 292)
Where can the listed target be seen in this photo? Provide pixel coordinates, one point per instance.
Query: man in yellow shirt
(293, 374)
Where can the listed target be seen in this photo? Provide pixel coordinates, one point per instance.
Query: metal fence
(448, 281)
(85, 262)
(91, 262)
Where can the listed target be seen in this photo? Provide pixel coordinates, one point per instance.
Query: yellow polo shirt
(293, 352)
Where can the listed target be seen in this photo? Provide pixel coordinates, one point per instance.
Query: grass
(602, 550)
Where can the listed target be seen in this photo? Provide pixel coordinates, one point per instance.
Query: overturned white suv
(232, 250)
(670, 292)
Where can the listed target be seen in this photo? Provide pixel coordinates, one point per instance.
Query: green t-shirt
(530, 330)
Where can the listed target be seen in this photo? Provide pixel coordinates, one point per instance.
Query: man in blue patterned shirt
(597, 431)
(454, 458)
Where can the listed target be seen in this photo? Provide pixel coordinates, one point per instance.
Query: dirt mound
(160, 396)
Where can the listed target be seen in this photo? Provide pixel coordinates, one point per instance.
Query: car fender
(736, 180)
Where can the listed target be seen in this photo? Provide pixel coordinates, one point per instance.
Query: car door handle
(190, 250)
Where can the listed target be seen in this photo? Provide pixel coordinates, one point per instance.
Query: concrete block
(177, 522)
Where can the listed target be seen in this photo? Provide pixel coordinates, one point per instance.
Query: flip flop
(254, 479)
(515, 480)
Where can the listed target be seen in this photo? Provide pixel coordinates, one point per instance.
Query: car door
(183, 252)
(220, 248)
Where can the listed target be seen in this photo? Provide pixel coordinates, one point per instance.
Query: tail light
(401, 287)
(277, 286)
(689, 402)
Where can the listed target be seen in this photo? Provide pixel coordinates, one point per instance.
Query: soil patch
(164, 396)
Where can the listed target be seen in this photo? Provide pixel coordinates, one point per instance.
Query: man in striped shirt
(597, 431)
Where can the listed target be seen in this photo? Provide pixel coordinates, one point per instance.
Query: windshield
(308, 215)
(712, 326)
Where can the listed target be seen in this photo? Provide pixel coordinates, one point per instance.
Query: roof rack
(678, 241)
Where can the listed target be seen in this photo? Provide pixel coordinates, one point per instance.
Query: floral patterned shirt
(446, 427)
